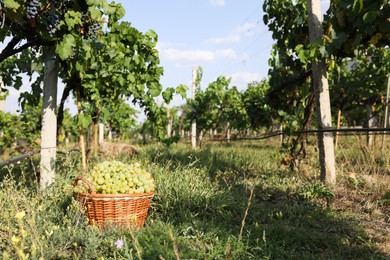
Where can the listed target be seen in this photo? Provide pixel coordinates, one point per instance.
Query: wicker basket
(123, 210)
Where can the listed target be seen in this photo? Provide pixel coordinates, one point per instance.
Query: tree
(257, 106)
(233, 111)
(218, 107)
(120, 117)
(350, 27)
(9, 134)
(290, 93)
(95, 65)
(359, 29)
(355, 25)
(207, 105)
(69, 130)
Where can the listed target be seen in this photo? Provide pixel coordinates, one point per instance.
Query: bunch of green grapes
(114, 177)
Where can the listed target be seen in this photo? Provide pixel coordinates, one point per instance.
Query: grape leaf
(369, 17)
(94, 2)
(182, 90)
(95, 13)
(155, 89)
(72, 18)
(84, 120)
(168, 94)
(65, 48)
(11, 4)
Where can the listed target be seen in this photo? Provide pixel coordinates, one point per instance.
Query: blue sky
(224, 37)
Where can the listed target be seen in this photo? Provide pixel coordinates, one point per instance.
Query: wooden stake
(82, 143)
(95, 138)
(338, 127)
(193, 121)
(386, 113)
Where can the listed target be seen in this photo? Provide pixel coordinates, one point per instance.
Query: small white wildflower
(119, 243)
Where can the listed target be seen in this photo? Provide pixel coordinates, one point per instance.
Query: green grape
(100, 180)
(113, 177)
(140, 190)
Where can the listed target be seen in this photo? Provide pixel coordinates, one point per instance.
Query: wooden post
(169, 122)
(338, 127)
(66, 139)
(101, 133)
(49, 120)
(370, 123)
(228, 132)
(82, 142)
(385, 121)
(281, 135)
(95, 138)
(181, 130)
(109, 134)
(1, 104)
(193, 121)
(322, 99)
(1, 94)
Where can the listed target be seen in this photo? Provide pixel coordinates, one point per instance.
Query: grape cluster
(63, 6)
(93, 30)
(90, 28)
(114, 177)
(52, 21)
(32, 9)
(83, 18)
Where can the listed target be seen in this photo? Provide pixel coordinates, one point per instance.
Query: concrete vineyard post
(322, 99)
(49, 121)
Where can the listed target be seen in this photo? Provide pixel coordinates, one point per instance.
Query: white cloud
(236, 35)
(181, 55)
(189, 55)
(217, 2)
(241, 79)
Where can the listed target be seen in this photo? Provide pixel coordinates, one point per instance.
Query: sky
(224, 37)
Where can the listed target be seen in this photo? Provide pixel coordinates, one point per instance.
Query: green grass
(201, 205)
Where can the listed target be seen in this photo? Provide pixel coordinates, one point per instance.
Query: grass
(223, 201)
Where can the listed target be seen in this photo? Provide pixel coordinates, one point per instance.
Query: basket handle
(90, 187)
